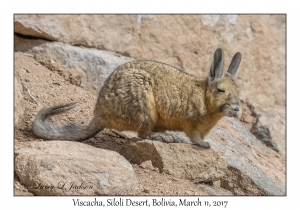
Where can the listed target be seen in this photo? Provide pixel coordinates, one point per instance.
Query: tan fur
(153, 109)
(147, 96)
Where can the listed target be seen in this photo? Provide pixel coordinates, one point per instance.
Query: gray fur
(44, 128)
(234, 65)
(217, 66)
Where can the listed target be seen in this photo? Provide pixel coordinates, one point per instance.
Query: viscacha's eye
(221, 90)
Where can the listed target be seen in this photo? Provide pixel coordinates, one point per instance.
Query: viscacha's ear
(217, 66)
(234, 65)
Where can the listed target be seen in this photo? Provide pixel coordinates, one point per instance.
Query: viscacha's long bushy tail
(44, 128)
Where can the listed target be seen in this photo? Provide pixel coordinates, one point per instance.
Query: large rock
(185, 41)
(271, 126)
(257, 167)
(250, 167)
(267, 124)
(180, 160)
(93, 65)
(212, 190)
(71, 168)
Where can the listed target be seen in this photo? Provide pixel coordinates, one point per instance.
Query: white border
(151, 7)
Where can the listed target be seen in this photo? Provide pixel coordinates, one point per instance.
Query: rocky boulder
(71, 168)
(94, 66)
(257, 167)
(267, 124)
(243, 165)
(185, 41)
(178, 159)
(271, 126)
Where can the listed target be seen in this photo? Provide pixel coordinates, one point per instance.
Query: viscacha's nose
(236, 109)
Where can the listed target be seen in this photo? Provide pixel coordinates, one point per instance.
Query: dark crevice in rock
(31, 37)
(262, 133)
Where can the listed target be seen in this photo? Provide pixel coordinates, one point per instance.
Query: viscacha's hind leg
(127, 102)
(145, 127)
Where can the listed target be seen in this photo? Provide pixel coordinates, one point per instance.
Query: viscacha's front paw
(203, 144)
